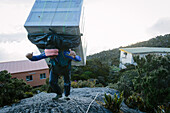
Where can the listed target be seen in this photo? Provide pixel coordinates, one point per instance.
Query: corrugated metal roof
(146, 50)
(23, 66)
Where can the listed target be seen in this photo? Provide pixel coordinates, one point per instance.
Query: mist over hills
(111, 57)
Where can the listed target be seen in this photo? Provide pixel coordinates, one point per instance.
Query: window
(43, 76)
(29, 78)
(124, 55)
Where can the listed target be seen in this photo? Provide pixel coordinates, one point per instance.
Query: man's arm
(37, 57)
(72, 55)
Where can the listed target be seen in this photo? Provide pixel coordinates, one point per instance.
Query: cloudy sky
(108, 24)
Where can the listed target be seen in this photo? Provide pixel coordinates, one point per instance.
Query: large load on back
(58, 24)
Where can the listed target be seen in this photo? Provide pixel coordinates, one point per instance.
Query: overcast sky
(108, 24)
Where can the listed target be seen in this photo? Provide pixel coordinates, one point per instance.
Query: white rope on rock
(91, 103)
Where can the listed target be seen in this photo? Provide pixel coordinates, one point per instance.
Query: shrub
(153, 80)
(36, 90)
(47, 88)
(135, 101)
(28, 94)
(11, 90)
(83, 76)
(164, 108)
(74, 84)
(99, 85)
(94, 69)
(125, 82)
(75, 77)
(84, 83)
(113, 103)
(112, 86)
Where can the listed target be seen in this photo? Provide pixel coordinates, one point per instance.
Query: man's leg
(67, 82)
(53, 80)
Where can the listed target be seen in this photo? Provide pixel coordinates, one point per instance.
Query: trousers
(55, 73)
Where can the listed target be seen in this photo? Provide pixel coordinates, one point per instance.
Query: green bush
(75, 77)
(125, 82)
(36, 90)
(94, 69)
(74, 84)
(83, 76)
(150, 79)
(47, 88)
(11, 90)
(135, 101)
(99, 85)
(84, 83)
(113, 76)
(164, 108)
(113, 103)
(28, 94)
(153, 80)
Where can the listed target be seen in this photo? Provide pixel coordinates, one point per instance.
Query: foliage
(47, 87)
(36, 90)
(28, 94)
(150, 79)
(163, 108)
(99, 64)
(84, 83)
(94, 69)
(99, 85)
(112, 86)
(159, 41)
(12, 90)
(135, 101)
(153, 80)
(125, 82)
(83, 76)
(109, 57)
(74, 84)
(113, 103)
(114, 75)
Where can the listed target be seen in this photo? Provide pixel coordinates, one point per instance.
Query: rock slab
(79, 102)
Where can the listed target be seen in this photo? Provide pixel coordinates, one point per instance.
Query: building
(126, 54)
(34, 73)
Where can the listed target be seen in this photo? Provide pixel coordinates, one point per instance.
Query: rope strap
(91, 103)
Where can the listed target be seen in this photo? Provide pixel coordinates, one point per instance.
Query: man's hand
(72, 53)
(29, 55)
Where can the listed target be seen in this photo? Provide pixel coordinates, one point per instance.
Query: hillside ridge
(111, 57)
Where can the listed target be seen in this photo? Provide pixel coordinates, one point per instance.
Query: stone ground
(80, 99)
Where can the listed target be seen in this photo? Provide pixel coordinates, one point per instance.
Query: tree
(12, 90)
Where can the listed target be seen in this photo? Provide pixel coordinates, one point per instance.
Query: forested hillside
(159, 41)
(112, 56)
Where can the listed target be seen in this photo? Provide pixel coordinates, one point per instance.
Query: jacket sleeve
(77, 58)
(39, 57)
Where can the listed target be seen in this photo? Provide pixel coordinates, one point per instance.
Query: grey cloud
(12, 37)
(161, 26)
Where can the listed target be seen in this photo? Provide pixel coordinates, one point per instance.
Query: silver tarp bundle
(58, 24)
